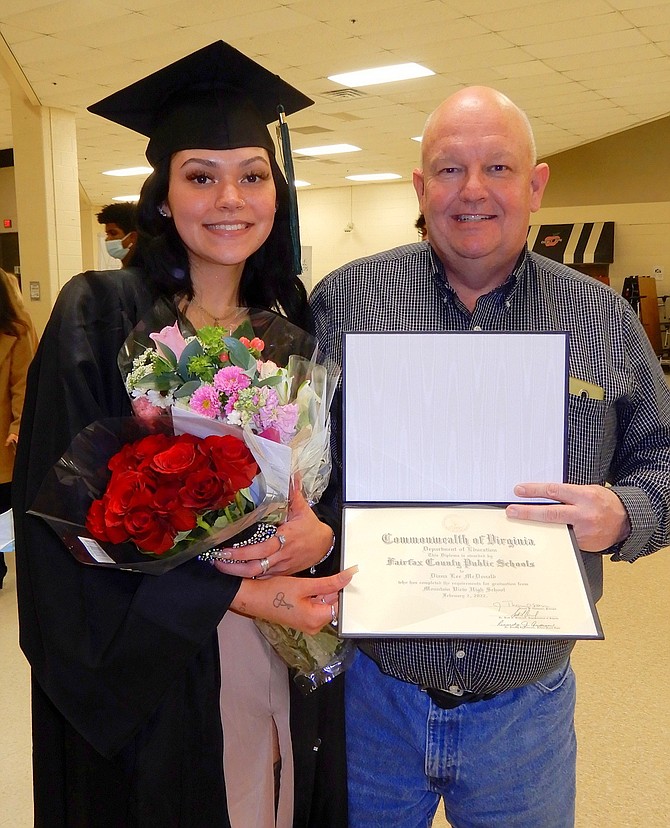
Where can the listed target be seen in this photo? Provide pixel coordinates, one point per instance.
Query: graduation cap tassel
(287, 159)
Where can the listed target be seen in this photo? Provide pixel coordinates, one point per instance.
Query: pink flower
(171, 337)
(231, 379)
(142, 407)
(205, 400)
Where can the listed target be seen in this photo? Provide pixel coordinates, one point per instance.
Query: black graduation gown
(125, 666)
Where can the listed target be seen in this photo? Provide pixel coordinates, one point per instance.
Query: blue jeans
(508, 762)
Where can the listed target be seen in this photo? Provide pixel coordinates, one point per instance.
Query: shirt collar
(504, 291)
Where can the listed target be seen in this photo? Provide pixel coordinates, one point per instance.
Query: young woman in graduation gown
(128, 676)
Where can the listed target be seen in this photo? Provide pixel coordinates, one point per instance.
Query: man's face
(478, 186)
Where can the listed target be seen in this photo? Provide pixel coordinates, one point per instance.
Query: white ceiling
(582, 69)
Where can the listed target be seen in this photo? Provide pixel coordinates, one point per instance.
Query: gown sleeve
(104, 645)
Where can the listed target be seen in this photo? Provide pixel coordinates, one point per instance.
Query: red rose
(125, 487)
(95, 520)
(231, 459)
(149, 530)
(180, 458)
(204, 490)
(168, 503)
(138, 454)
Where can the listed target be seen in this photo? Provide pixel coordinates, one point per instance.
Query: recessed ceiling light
(299, 183)
(130, 171)
(382, 74)
(331, 149)
(373, 177)
(126, 198)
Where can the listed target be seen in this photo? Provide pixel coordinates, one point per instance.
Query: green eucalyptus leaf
(187, 389)
(194, 348)
(239, 354)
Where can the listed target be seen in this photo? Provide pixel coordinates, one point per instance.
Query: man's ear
(538, 183)
(419, 186)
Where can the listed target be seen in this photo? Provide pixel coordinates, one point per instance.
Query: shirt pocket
(591, 439)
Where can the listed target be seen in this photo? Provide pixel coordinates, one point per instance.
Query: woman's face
(223, 203)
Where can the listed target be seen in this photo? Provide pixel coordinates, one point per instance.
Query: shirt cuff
(642, 524)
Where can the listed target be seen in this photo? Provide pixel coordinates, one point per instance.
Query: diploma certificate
(462, 571)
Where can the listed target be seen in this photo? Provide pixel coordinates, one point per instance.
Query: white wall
(382, 215)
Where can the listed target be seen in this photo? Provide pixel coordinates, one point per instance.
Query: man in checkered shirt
(487, 724)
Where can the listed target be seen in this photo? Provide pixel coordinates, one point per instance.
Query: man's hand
(596, 514)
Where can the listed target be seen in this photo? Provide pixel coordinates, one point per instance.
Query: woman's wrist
(313, 567)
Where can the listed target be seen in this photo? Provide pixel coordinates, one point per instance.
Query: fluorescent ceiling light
(126, 198)
(382, 74)
(130, 171)
(373, 177)
(332, 149)
(299, 183)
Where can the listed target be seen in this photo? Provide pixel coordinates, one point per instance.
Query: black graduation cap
(215, 98)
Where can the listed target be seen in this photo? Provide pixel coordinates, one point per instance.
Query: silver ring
(323, 600)
(282, 541)
(333, 615)
(265, 565)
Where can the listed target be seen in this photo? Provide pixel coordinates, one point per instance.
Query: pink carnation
(143, 408)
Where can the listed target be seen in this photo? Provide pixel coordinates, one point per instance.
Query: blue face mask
(116, 249)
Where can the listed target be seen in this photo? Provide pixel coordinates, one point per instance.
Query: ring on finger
(282, 541)
(323, 599)
(333, 615)
(265, 565)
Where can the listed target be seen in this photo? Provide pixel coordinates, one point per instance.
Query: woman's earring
(161, 210)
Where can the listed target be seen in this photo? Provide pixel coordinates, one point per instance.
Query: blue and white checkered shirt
(623, 439)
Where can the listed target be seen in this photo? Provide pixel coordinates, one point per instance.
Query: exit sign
(6, 223)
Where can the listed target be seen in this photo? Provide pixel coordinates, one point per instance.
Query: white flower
(160, 401)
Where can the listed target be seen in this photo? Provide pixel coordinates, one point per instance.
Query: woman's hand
(300, 542)
(306, 604)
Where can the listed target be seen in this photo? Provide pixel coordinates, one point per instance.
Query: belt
(447, 701)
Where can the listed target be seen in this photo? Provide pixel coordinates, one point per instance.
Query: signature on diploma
(525, 615)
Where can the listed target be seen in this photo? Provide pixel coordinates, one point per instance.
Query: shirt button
(455, 689)
(477, 328)
(460, 653)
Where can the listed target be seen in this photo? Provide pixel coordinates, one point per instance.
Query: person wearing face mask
(119, 221)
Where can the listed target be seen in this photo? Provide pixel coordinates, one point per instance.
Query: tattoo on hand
(280, 602)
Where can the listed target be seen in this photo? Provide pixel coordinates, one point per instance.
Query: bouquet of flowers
(166, 493)
(266, 379)
(133, 494)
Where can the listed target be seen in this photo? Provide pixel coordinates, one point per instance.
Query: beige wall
(628, 168)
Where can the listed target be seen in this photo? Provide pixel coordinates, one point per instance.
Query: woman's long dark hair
(268, 280)
(10, 319)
